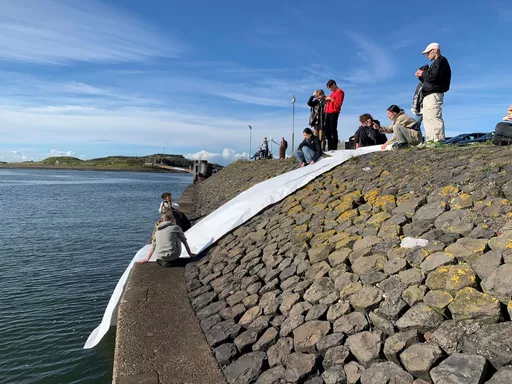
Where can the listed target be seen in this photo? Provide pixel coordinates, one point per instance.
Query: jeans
(433, 117)
(305, 155)
(406, 135)
(331, 130)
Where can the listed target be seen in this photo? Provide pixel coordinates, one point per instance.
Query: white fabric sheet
(228, 217)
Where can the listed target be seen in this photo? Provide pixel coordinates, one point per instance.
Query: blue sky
(96, 78)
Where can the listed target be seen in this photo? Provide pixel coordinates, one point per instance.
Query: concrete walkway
(159, 340)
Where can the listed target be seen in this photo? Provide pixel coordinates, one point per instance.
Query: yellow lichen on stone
(301, 228)
(509, 245)
(347, 242)
(305, 237)
(295, 210)
(335, 203)
(378, 219)
(449, 190)
(347, 216)
(323, 237)
(385, 202)
(371, 197)
(319, 207)
(385, 173)
(339, 236)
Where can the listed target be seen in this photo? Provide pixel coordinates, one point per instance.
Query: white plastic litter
(411, 242)
(228, 217)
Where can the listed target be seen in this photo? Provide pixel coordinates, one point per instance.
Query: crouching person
(405, 129)
(167, 243)
(309, 150)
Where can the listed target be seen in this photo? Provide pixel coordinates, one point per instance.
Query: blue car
(464, 137)
(481, 139)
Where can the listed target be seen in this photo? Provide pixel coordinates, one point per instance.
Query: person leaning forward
(167, 243)
(405, 129)
(436, 81)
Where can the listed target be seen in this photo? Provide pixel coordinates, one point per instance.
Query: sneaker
(397, 146)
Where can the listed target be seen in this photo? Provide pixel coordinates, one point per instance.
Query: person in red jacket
(332, 112)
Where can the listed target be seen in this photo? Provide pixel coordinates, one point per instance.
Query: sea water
(65, 239)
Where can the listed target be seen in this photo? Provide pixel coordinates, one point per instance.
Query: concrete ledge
(159, 340)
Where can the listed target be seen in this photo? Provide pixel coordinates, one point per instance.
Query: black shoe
(400, 146)
(166, 264)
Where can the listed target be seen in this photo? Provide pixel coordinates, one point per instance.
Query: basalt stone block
(222, 332)
(246, 369)
(397, 343)
(329, 341)
(420, 317)
(278, 353)
(387, 372)
(299, 366)
(494, 342)
(499, 283)
(460, 368)
(470, 304)
(306, 336)
(450, 334)
(365, 346)
(418, 359)
(503, 376)
(335, 356)
(289, 324)
(225, 353)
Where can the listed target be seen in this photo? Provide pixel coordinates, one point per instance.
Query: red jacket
(335, 105)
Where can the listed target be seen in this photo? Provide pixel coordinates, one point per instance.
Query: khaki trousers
(433, 117)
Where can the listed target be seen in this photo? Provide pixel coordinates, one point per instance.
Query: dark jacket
(317, 113)
(314, 144)
(437, 78)
(366, 136)
(417, 99)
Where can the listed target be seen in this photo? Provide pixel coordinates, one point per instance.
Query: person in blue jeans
(309, 150)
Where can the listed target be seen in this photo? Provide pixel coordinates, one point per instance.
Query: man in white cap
(436, 81)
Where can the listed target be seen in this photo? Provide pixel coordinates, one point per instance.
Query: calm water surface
(65, 239)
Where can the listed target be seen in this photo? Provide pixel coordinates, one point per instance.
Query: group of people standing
(427, 106)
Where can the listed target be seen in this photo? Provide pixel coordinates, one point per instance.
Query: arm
(435, 71)
(183, 239)
(338, 99)
(312, 102)
(151, 250)
(161, 207)
(302, 144)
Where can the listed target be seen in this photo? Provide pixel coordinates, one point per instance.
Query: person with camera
(405, 129)
(317, 115)
(332, 113)
(367, 135)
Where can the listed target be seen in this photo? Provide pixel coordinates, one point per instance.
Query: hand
(192, 255)
(357, 145)
(311, 162)
(302, 165)
(419, 73)
(327, 98)
(142, 261)
(384, 146)
(508, 118)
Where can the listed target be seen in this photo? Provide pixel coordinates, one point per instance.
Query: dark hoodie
(167, 241)
(314, 144)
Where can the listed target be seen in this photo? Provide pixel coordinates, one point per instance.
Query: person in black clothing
(436, 81)
(317, 115)
(367, 135)
(417, 99)
(309, 150)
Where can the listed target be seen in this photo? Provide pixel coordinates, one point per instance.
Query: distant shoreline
(80, 168)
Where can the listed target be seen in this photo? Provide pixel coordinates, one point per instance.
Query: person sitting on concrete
(367, 135)
(317, 115)
(405, 129)
(310, 150)
(167, 243)
(167, 206)
(503, 130)
(263, 151)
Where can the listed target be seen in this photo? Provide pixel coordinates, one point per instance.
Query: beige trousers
(433, 117)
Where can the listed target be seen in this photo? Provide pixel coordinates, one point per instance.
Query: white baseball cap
(430, 47)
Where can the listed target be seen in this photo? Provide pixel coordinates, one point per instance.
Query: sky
(90, 78)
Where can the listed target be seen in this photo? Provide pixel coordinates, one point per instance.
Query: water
(65, 239)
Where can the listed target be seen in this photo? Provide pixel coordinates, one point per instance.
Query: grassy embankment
(109, 163)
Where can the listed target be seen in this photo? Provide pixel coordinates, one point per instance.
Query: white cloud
(58, 153)
(227, 156)
(60, 32)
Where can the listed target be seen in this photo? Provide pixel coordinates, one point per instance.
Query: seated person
(367, 135)
(166, 206)
(263, 151)
(309, 150)
(405, 129)
(504, 129)
(167, 243)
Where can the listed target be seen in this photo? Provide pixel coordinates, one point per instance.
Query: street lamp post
(293, 123)
(250, 141)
